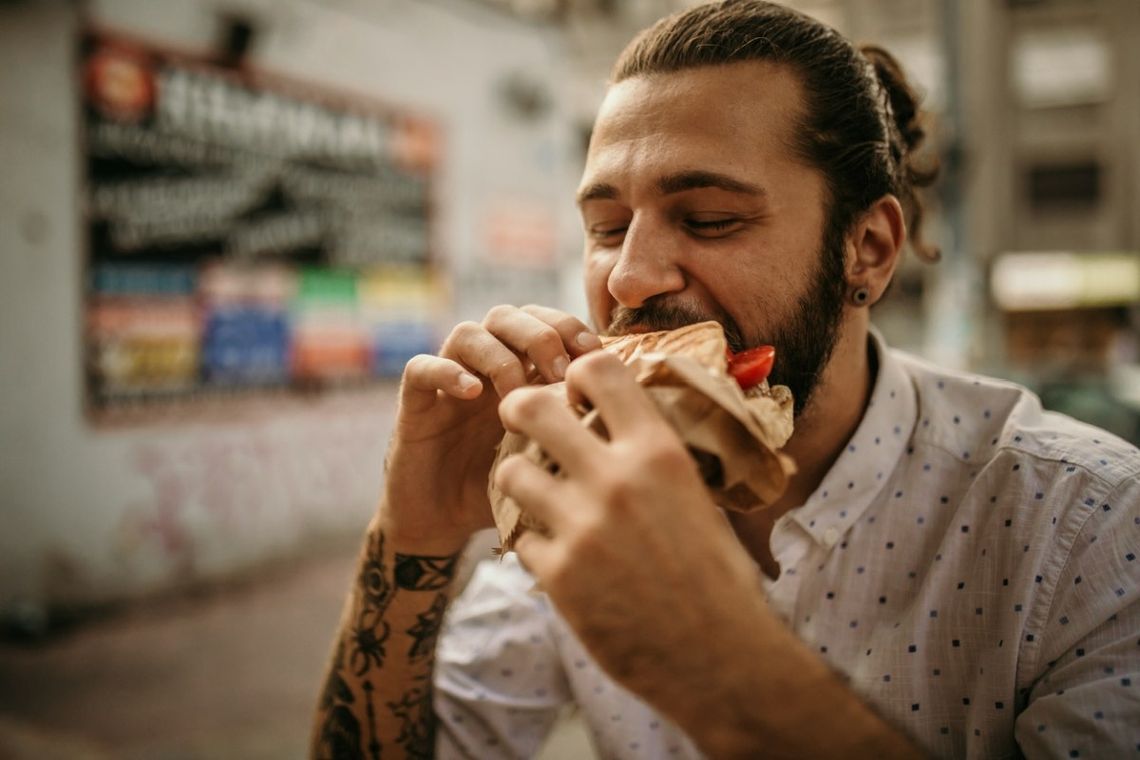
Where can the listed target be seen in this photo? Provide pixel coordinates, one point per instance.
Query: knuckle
(463, 332)
(584, 539)
(497, 314)
(418, 364)
(504, 370)
(547, 341)
(617, 491)
(592, 364)
(526, 402)
(466, 327)
(508, 471)
(667, 455)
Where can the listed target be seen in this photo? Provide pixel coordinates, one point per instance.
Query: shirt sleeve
(1085, 698)
(498, 683)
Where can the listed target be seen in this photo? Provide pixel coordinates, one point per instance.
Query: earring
(860, 296)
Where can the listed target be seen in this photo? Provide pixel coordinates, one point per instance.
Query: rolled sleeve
(499, 684)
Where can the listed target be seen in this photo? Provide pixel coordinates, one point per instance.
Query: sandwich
(719, 403)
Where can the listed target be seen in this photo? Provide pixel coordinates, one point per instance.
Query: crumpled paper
(735, 437)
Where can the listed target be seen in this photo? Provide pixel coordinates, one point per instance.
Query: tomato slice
(751, 366)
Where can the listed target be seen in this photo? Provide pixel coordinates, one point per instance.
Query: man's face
(695, 207)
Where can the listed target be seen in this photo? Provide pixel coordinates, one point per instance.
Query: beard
(804, 341)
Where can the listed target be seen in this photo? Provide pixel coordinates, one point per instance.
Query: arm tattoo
(426, 629)
(370, 630)
(361, 676)
(417, 729)
(424, 573)
(339, 737)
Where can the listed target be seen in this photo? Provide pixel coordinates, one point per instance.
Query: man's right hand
(447, 424)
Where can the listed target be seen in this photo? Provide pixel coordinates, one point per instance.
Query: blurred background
(226, 224)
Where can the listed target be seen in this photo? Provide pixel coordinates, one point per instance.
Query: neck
(832, 416)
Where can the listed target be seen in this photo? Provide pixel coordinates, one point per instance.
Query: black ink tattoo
(374, 583)
(417, 729)
(426, 629)
(424, 573)
(368, 646)
(373, 742)
(370, 630)
(362, 651)
(339, 737)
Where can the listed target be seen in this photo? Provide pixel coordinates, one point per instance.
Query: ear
(874, 245)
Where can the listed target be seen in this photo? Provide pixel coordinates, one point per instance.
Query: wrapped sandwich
(720, 405)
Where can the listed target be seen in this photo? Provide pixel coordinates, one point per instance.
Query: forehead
(711, 115)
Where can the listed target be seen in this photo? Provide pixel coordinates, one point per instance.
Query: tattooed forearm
(388, 602)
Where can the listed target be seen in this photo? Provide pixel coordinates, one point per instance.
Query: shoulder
(986, 422)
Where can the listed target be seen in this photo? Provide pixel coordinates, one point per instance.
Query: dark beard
(803, 344)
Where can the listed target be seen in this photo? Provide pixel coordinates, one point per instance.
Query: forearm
(777, 698)
(377, 693)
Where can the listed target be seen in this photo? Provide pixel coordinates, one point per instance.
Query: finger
(603, 381)
(544, 417)
(426, 375)
(532, 337)
(538, 492)
(536, 554)
(576, 336)
(481, 352)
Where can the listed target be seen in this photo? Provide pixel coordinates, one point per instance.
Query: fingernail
(559, 366)
(587, 340)
(467, 381)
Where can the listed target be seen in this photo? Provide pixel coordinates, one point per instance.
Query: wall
(95, 514)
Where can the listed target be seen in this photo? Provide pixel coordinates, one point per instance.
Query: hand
(651, 578)
(638, 560)
(447, 428)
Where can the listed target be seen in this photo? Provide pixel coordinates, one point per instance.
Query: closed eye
(712, 227)
(608, 234)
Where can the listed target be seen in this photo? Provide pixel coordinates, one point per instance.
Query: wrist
(417, 537)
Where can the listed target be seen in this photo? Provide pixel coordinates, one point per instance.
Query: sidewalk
(228, 673)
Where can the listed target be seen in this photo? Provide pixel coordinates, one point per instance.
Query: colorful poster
(237, 224)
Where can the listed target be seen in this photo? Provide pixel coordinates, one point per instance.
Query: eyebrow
(676, 183)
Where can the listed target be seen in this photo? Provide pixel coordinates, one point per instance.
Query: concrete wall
(93, 514)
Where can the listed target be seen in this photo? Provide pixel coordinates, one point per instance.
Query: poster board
(247, 235)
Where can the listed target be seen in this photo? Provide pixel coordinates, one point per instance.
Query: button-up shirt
(969, 565)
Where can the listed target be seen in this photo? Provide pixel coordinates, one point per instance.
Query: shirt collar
(864, 467)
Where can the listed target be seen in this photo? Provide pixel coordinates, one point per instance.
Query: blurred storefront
(225, 226)
(224, 229)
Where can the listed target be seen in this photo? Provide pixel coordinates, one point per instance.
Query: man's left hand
(637, 558)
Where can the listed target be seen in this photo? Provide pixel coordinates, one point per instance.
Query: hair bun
(908, 122)
(902, 97)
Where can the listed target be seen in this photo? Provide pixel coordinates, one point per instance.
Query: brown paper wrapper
(734, 437)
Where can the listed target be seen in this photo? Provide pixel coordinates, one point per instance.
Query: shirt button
(831, 536)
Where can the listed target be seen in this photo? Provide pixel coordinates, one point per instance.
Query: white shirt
(971, 564)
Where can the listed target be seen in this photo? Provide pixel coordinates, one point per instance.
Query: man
(952, 571)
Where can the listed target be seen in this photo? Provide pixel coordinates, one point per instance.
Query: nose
(647, 266)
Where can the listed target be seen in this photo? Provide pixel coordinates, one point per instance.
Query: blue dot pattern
(970, 565)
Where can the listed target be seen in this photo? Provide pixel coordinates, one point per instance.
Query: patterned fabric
(969, 565)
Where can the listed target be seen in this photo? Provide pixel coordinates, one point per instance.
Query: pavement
(231, 671)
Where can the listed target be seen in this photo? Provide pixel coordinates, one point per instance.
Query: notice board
(247, 234)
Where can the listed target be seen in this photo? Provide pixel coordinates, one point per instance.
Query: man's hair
(862, 123)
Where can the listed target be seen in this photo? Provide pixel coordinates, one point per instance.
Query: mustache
(656, 315)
